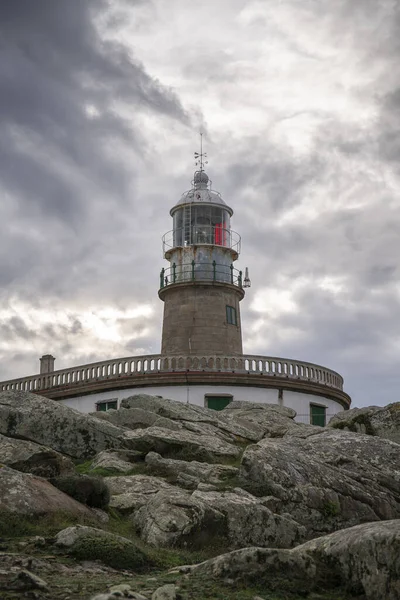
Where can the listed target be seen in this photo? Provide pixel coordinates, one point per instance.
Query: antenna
(199, 157)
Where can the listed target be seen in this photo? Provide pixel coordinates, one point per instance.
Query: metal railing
(201, 235)
(158, 363)
(201, 271)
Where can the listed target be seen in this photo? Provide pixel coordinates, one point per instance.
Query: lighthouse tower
(201, 360)
(201, 289)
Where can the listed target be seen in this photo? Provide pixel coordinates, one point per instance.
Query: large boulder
(179, 444)
(176, 517)
(128, 493)
(113, 461)
(89, 543)
(135, 418)
(173, 518)
(170, 409)
(249, 522)
(30, 417)
(238, 422)
(268, 420)
(373, 420)
(27, 495)
(327, 481)
(184, 472)
(29, 457)
(364, 559)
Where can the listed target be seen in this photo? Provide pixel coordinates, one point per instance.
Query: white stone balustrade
(157, 363)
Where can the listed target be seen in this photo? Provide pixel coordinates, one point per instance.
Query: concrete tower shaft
(201, 288)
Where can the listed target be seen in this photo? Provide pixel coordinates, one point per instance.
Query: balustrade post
(231, 267)
(174, 272)
(162, 277)
(214, 270)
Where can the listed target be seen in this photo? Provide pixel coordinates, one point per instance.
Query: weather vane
(200, 157)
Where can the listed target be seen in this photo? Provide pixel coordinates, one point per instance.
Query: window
(217, 402)
(231, 315)
(107, 405)
(318, 415)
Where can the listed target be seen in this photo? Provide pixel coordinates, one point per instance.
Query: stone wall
(195, 320)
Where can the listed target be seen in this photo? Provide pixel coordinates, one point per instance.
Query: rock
(111, 461)
(173, 444)
(364, 559)
(123, 590)
(136, 418)
(194, 418)
(332, 480)
(271, 419)
(47, 422)
(166, 592)
(178, 518)
(199, 471)
(206, 487)
(249, 522)
(170, 409)
(175, 519)
(383, 422)
(29, 457)
(26, 494)
(129, 493)
(89, 543)
(22, 580)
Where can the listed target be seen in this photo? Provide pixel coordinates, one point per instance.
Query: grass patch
(330, 509)
(85, 469)
(17, 526)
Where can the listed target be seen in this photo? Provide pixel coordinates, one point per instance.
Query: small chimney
(47, 364)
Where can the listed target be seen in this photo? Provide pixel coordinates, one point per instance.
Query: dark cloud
(62, 136)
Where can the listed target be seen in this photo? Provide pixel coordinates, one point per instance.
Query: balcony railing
(201, 235)
(204, 271)
(132, 366)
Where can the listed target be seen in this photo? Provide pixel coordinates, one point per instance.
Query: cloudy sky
(101, 104)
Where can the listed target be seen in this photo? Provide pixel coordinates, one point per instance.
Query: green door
(318, 415)
(218, 402)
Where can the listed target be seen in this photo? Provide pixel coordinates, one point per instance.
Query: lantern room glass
(201, 224)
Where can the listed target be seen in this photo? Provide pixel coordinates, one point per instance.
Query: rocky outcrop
(29, 457)
(131, 492)
(168, 443)
(178, 518)
(364, 559)
(190, 473)
(174, 518)
(136, 418)
(89, 543)
(330, 480)
(383, 422)
(27, 495)
(267, 420)
(111, 461)
(30, 417)
(238, 422)
(249, 522)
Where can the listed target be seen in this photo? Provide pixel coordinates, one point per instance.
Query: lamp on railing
(246, 282)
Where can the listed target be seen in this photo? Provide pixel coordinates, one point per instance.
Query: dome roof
(200, 193)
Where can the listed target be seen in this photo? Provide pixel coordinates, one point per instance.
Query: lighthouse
(201, 288)
(201, 360)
